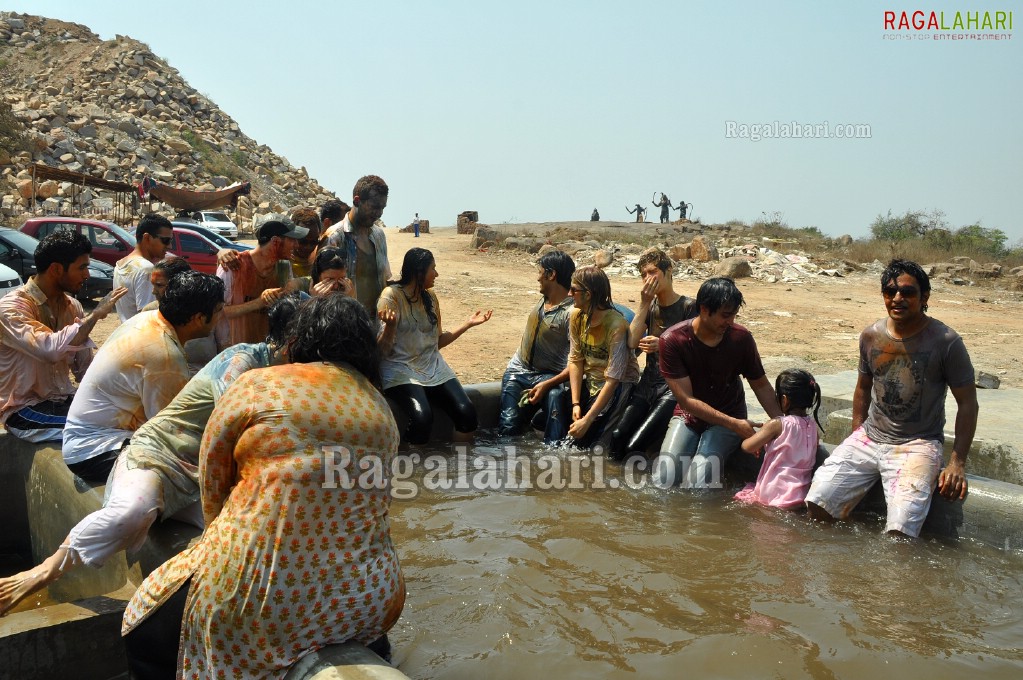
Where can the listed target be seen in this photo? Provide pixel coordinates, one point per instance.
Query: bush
(12, 131)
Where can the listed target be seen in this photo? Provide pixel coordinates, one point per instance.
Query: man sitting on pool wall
(702, 360)
(541, 363)
(908, 361)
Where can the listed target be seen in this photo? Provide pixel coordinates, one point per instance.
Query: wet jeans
(513, 384)
(693, 459)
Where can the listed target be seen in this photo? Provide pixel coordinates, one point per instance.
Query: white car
(9, 280)
(214, 220)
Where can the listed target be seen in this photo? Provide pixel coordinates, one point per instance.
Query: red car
(199, 251)
(109, 242)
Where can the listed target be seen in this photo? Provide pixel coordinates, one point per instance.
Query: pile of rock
(467, 221)
(114, 110)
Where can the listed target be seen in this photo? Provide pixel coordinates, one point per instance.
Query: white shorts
(908, 473)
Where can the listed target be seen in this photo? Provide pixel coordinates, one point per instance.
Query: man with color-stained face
(908, 362)
(364, 241)
(153, 237)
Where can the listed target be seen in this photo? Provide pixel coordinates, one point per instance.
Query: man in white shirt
(152, 238)
(137, 372)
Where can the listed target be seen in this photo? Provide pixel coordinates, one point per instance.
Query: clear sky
(543, 110)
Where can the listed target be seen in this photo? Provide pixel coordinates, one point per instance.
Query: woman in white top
(413, 372)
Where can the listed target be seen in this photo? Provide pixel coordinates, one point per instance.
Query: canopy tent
(124, 204)
(185, 199)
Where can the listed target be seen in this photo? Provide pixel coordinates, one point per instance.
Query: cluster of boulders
(114, 110)
(961, 270)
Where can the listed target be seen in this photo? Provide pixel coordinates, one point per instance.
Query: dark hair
(801, 389)
(172, 266)
(561, 264)
(369, 186)
(151, 224)
(281, 313)
(595, 282)
(62, 247)
(334, 210)
(335, 328)
(654, 256)
(413, 270)
(719, 292)
(307, 217)
(327, 259)
(190, 293)
(898, 267)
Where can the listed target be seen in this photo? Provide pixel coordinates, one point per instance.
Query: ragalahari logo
(947, 26)
(940, 21)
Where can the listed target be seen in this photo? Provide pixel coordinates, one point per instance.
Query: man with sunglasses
(153, 237)
(908, 362)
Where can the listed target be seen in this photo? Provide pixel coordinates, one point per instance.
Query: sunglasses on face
(573, 290)
(166, 240)
(904, 291)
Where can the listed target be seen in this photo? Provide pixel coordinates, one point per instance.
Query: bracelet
(576, 403)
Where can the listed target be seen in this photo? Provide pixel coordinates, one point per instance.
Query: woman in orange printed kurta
(288, 564)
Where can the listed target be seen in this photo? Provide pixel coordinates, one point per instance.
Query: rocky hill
(112, 109)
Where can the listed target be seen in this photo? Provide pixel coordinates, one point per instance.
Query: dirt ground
(811, 324)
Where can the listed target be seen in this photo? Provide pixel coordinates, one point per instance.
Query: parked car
(9, 280)
(198, 250)
(17, 251)
(214, 220)
(109, 242)
(216, 238)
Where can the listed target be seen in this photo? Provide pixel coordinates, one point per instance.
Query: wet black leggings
(417, 402)
(152, 646)
(641, 424)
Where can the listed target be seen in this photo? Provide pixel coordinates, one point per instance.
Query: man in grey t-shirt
(908, 361)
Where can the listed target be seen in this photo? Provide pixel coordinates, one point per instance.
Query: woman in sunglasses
(602, 370)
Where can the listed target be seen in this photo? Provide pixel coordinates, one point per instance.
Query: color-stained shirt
(169, 442)
(544, 345)
(243, 286)
(341, 235)
(137, 372)
(132, 272)
(603, 349)
(715, 372)
(36, 354)
(198, 351)
(658, 320)
(293, 557)
(911, 379)
(415, 358)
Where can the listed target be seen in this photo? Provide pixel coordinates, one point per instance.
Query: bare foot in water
(14, 589)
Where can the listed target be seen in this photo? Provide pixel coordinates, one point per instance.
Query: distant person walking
(594, 216)
(415, 225)
(682, 207)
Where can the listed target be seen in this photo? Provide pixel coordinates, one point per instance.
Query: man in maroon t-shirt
(703, 360)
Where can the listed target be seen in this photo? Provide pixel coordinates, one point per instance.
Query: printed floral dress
(291, 559)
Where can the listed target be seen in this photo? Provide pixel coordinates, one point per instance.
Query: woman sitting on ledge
(294, 557)
(413, 372)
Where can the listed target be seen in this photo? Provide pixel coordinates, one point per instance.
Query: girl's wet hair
(413, 270)
(801, 388)
(327, 259)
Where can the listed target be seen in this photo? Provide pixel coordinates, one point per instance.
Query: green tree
(913, 224)
(980, 239)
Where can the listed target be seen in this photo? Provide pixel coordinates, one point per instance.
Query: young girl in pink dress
(789, 442)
